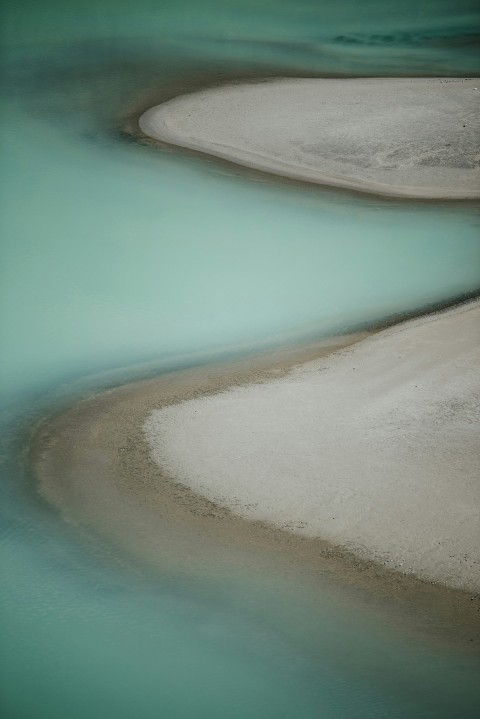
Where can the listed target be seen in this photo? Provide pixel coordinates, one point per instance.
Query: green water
(113, 255)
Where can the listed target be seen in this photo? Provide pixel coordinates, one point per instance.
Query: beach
(373, 448)
(400, 137)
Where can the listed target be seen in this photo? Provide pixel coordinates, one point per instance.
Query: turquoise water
(115, 255)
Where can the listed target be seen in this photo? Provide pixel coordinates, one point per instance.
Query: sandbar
(92, 463)
(399, 137)
(373, 448)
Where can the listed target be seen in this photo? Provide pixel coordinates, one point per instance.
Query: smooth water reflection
(114, 254)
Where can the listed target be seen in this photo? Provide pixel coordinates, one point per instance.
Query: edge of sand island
(156, 499)
(399, 137)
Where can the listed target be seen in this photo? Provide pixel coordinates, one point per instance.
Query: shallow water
(114, 254)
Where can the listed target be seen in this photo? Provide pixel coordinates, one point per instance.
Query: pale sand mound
(402, 137)
(373, 448)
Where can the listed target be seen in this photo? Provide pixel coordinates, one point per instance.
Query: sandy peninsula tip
(400, 137)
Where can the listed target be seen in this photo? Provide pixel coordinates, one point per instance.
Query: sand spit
(373, 448)
(92, 463)
(401, 137)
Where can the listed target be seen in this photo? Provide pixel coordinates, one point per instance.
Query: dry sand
(373, 448)
(401, 137)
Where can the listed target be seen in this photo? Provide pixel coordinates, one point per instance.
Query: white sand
(401, 137)
(374, 448)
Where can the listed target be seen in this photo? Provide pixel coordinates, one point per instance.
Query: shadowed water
(115, 254)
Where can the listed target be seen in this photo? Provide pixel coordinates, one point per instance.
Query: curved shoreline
(409, 138)
(93, 464)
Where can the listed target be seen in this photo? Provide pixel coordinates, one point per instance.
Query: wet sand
(399, 137)
(93, 464)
